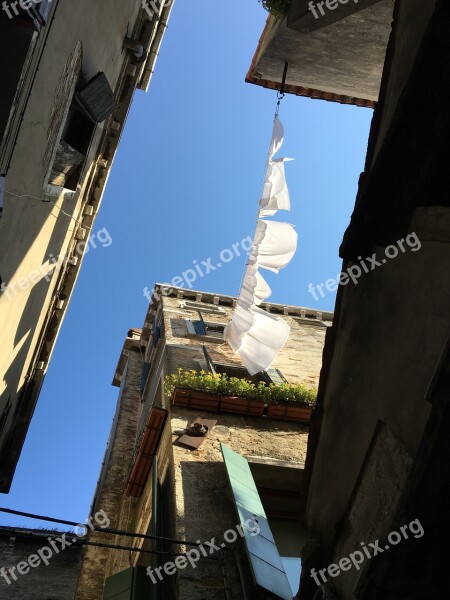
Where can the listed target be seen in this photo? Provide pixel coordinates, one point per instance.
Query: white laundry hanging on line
(274, 245)
(277, 138)
(254, 288)
(275, 193)
(254, 334)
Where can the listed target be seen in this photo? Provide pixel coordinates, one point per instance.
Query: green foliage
(223, 385)
(277, 8)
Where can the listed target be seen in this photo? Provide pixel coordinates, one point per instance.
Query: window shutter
(97, 98)
(157, 331)
(199, 327)
(276, 376)
(264, 558)
(209, 360)
(144, 374)
(132, 584)
(44, 9)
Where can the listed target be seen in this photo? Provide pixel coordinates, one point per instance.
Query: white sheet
(275, 244)
(254, 334)
(259, 344)
(275, 193)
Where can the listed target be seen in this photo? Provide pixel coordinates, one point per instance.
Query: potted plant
(219, 393)
(291, 402)
(277, 8)
(240, 396)
(213, 392)
(193, 389)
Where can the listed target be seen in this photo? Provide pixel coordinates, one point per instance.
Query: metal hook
(281, 93)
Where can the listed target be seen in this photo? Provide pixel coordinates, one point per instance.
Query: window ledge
(210, 339)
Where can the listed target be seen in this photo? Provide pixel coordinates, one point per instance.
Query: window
(91, 104)
(271, 376)
(280, 491)
(214, 330)
(145, 372)
(72, 149)
(205, 328)
(156, 334)
(211, 308)
(17, 38)
(236, 371)
(40, 13)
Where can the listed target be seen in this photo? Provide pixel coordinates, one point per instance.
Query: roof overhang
(338, 57)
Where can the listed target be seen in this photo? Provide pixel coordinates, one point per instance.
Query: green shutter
(266, 564)
(132, 584)
(276, 376)
(145, 372)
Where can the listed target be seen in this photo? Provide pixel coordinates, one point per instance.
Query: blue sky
(184, 186)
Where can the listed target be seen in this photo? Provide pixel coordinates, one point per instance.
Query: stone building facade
(386, 359)
(69, 73)
(153, 484)
(55, 580)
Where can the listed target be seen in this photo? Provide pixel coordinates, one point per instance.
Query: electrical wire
(47, 200)
(99, 529)
(73, 542)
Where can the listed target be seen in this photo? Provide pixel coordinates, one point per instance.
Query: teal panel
(271, 579)
(265, 560)
(132, 584)
(119, 586)
(245, 515)
(235, 458)
(276, 376)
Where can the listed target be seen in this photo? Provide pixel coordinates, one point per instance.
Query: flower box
(241, 406)
(207, 401)
(290, 411)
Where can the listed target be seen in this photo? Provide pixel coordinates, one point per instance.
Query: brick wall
(56, 581)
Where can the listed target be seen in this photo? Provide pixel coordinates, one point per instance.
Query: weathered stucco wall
(411, 20)
(34, 233)
(386, 347)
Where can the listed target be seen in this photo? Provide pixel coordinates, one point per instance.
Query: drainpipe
(137, 49)
(224, 577)
(155, 524)
(162, 20)
(241, 573)
(324, 592)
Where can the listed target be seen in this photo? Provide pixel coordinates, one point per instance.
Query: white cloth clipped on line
(254, 334)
